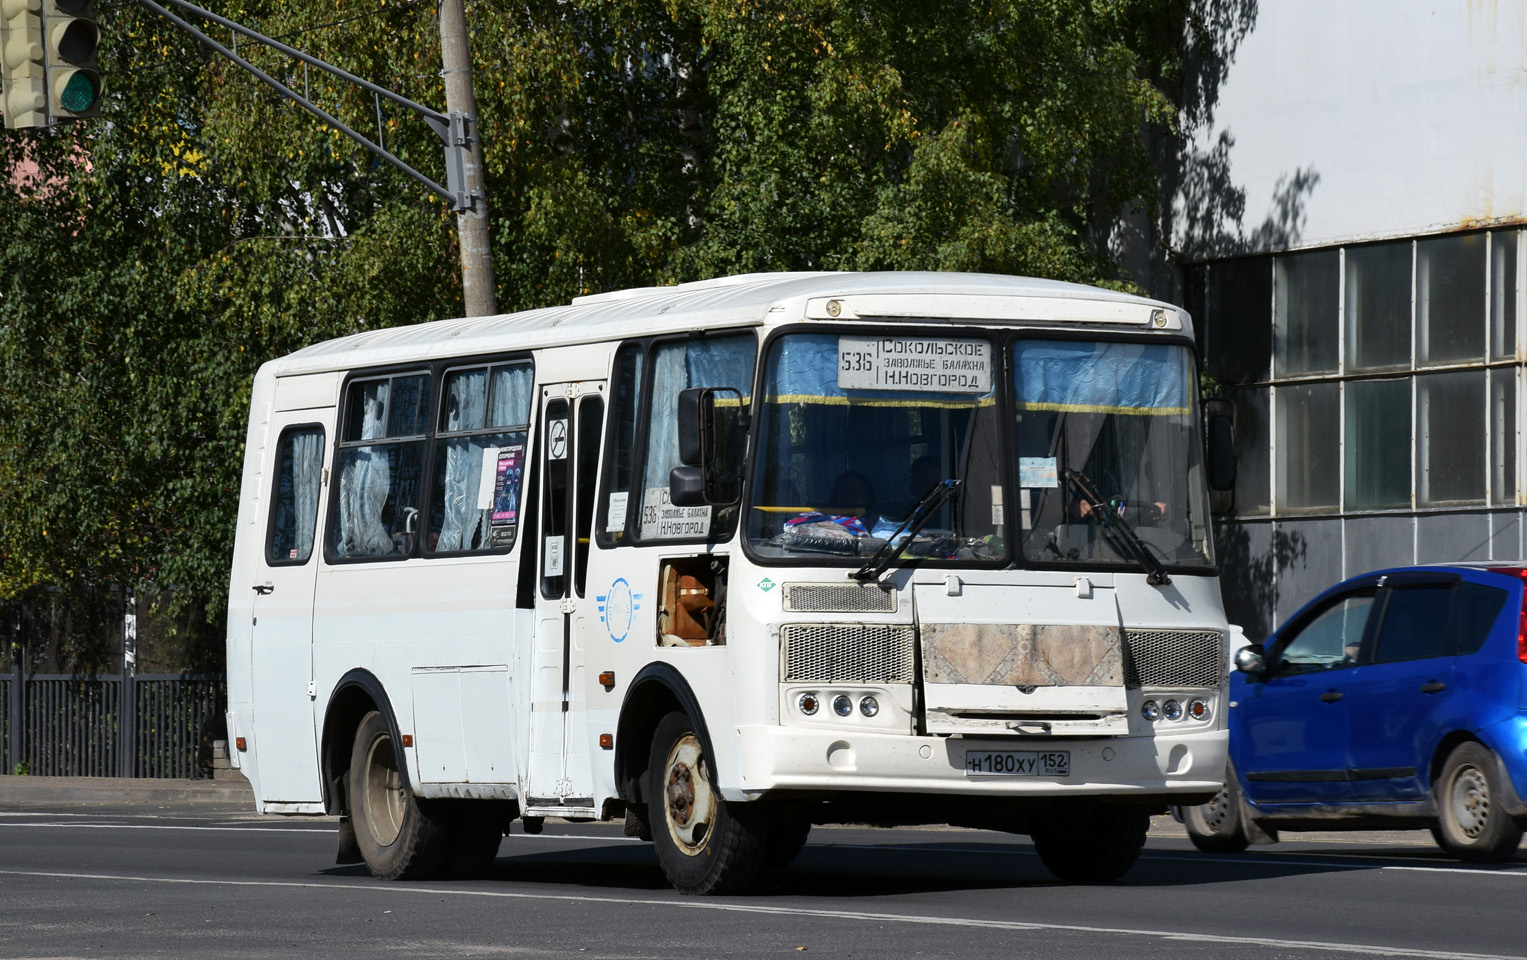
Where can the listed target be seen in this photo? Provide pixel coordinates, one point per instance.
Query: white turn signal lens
(842, 705)
(1150, 710)
(1172, 710)
(809, 703)
(869, 706)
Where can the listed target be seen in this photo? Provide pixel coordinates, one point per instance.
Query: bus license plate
(1018, 763)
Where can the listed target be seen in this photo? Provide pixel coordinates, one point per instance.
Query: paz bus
(727, 559)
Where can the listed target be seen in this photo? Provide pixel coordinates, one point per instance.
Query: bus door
(281, 635)
(560, 776)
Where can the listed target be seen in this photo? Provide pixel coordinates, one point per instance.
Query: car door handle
(1330, 696)
(1433, 686)
(264, 588)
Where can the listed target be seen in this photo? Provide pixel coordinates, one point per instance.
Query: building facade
(1345, 223)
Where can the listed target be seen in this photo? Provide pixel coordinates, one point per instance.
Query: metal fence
(65, 726)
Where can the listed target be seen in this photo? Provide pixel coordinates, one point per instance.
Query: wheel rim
(382, 794)
(689, 804)
(1469, 801)
(1216, 812)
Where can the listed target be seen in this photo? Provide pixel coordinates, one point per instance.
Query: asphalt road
(181, 879)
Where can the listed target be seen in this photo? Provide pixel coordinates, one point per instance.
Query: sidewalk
(78, 791)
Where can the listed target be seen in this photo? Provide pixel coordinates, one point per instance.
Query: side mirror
(1219, 436)
(1251, 660)
(712, 439)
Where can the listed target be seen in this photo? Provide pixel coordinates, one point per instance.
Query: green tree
(151, 260)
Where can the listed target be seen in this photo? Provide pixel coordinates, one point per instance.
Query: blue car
(1395, 699)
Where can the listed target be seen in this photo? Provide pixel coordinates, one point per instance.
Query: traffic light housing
(23, 74)
(73, 76)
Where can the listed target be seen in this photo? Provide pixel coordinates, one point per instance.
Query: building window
(1378, 307)
(1450, 300)
(1378, 444)
(1361, 416)
(1306, 335)
(1450, 413)
(1309, 427)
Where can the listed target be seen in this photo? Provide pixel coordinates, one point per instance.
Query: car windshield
(1109, 456)
(855, 430)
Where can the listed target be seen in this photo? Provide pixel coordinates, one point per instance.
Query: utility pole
(471, 224)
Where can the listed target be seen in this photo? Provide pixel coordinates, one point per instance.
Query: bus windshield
(1102, 465)
(1109, 456)
(857, 429)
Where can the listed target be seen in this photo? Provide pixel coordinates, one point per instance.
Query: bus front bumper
(1161, 767)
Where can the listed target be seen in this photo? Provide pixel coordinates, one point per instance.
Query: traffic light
(23, 84)
(74, 79)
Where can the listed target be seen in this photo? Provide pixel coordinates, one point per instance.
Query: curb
(65, 791)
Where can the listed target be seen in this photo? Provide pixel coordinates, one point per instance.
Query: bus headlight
(842, 705)
(1150, 710)
(809, 703)
(1172, 710)
(869, 706)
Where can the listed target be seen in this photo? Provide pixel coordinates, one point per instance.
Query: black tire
(1215, 827)
(398, 837)
(1091, 842)
(472, 839)
(1472, 822)
(786, 840)
(704, 844)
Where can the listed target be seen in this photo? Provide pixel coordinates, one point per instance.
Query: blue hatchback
(1394, 699)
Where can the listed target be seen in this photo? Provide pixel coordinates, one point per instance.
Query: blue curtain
(1076, 377)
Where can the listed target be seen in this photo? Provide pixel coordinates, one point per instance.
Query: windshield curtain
(1108, 451)
(839, 467)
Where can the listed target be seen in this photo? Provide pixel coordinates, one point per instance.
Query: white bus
(729, 559)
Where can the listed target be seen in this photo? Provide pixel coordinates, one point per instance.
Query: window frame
(319, 529)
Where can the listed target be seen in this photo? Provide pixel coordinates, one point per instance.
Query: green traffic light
(79, 93)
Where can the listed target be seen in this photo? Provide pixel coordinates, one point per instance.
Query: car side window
(1333, 639)
(1415, 624)
(1475, 610)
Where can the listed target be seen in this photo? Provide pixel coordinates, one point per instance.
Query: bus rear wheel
(1091, 842)
(704, 844)
(397, 837)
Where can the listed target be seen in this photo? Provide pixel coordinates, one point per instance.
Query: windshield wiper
(927, 505)
(1118, 530)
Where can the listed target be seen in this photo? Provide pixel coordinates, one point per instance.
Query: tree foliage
(152, 259)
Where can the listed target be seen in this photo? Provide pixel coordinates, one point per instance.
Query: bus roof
(751, 299)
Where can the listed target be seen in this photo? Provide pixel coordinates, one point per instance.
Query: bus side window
(380, 467)
(620, 457)
(676, 366)
(294, 502)
(480, 459)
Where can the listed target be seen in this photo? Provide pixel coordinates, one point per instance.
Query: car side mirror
(1251, 660)
(712, 425)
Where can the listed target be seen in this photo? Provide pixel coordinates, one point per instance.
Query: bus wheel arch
(657, 690)
(356, 694)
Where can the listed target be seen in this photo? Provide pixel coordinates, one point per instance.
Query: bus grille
(847, 653)
(838, 598)
(1173, 658)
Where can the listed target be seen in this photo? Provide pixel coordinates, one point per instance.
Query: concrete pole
(471, 227)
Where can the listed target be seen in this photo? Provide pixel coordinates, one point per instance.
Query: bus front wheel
(397, 837)
(1091, 842)
(704, 844)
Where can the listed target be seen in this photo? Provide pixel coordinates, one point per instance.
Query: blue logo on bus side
(617, 609)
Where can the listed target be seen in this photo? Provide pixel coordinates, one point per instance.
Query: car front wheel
(1472, 822)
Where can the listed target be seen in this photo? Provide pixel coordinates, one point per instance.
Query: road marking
(1320, 946)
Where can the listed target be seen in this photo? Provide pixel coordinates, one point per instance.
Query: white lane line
(323, 829)
(1321, 946)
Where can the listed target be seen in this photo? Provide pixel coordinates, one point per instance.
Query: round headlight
(1172, 710)
(842, 705)
(809, 703)
(1150, 710)
(1198, 708)
(869, 706)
